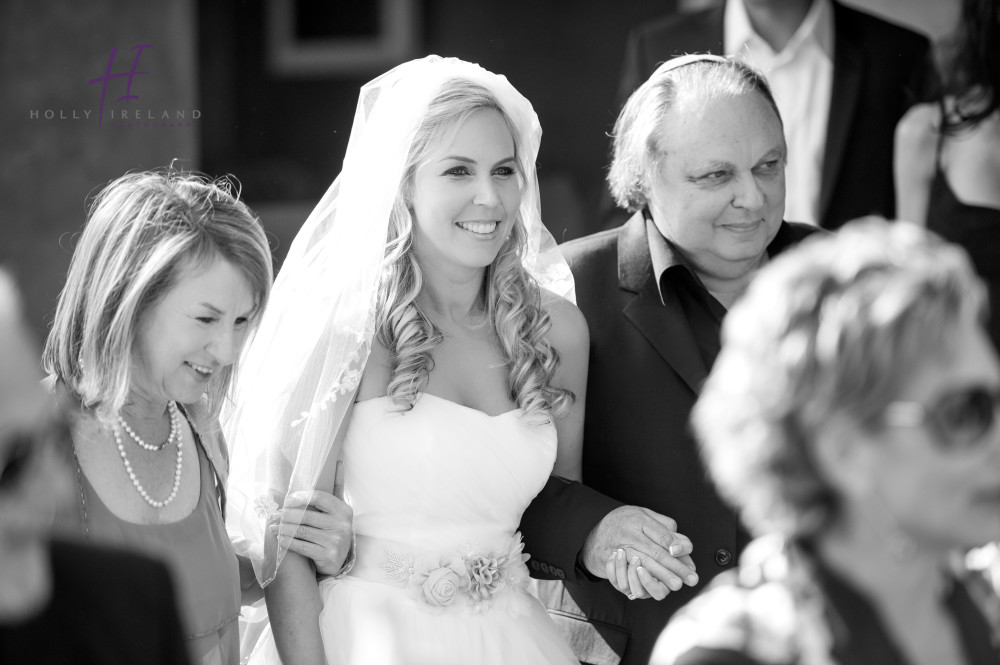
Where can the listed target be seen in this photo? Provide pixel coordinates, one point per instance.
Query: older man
(841, 77)
(699, 155)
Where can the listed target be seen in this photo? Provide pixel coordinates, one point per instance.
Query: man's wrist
(581, 569)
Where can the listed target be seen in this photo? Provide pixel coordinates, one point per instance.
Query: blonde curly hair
(512, 298)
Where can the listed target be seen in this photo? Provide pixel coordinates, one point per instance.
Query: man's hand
(640, 553)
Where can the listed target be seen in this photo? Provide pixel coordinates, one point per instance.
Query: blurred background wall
(210, 94)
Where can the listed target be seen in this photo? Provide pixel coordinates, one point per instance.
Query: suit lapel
(848, 69)
(663, 325)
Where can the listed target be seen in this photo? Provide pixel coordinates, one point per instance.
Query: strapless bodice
(438, 493)
(443, 475)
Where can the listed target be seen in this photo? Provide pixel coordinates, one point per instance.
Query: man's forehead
(690, 103)
(720, 118)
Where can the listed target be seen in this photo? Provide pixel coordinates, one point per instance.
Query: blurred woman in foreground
(61, 601)
(852, 417)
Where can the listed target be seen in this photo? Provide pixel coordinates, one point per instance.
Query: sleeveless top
(199, 555)
(976, 229)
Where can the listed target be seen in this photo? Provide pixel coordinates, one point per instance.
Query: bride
(421, 331)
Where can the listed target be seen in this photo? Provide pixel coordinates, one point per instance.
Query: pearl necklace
(174, 427)
(135, 481)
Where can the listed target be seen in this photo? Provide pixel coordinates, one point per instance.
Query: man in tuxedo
(699, 156)
(63, 602)
(842, 79)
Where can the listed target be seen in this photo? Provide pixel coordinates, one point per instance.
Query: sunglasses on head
(960, 419)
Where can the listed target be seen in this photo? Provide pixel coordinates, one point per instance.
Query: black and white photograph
(426, 332)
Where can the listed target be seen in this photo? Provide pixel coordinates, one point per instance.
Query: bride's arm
(570, 337)
(293, 607)
(293, 601)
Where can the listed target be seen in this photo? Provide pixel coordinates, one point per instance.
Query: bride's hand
(638, 575)
(652, 566)
(654, 560)
(325, 526)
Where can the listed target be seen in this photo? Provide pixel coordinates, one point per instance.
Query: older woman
(852, 417)
(170, 276)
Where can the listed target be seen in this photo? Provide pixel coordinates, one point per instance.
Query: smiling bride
(421, 333)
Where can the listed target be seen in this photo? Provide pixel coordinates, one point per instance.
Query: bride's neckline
(423, 395)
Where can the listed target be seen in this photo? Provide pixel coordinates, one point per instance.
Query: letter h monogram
(108, 76)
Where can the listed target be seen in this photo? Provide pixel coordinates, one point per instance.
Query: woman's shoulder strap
(209, 433)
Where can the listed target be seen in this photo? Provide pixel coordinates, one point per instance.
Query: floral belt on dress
(466, 579)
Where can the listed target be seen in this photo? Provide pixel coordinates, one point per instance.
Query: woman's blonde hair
(143, 231)
(511, 295)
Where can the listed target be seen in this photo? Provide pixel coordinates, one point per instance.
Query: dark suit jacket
(645, 374)
(108, 607)
(879, 69)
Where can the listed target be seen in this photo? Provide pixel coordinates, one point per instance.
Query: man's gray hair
(638, 130)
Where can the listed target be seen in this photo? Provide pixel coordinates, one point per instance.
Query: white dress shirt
(801, 79)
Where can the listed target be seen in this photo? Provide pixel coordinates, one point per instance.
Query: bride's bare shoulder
(377, 372)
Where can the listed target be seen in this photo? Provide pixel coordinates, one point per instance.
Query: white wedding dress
(437, 494)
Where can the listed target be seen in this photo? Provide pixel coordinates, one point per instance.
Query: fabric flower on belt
(486, 575)
(467, 579)
(439, 579)
(489, 573)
